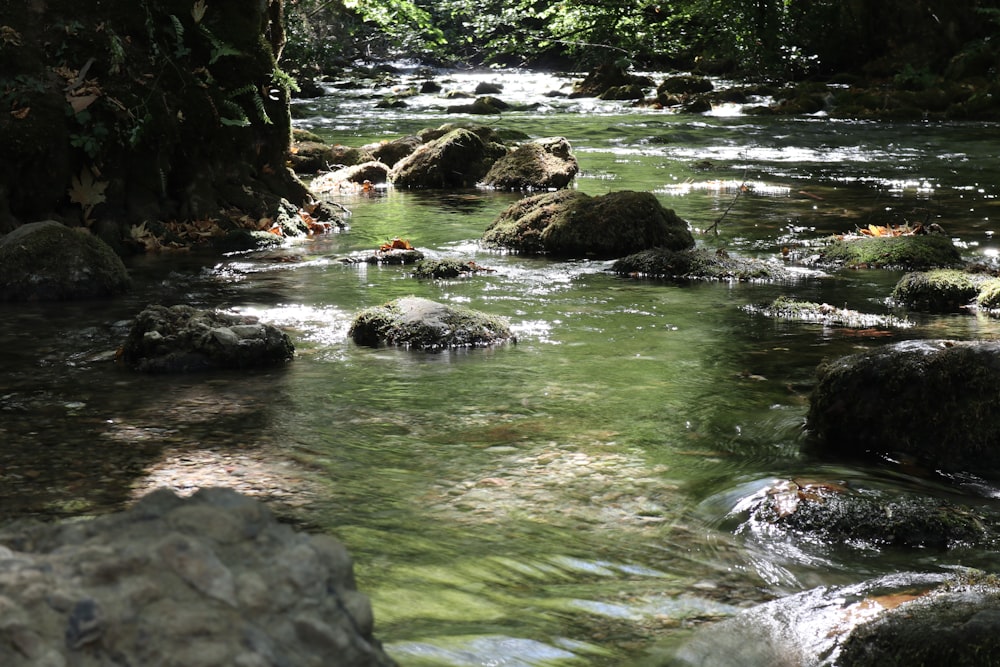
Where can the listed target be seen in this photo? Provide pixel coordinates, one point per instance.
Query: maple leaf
(86, 191)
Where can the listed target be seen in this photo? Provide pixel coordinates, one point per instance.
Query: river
(565, 500)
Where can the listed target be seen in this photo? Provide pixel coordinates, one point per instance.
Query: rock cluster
(213, 580)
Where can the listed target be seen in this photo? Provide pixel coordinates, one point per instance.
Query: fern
(179, 49)
(219, 48)
(240, 120)
(256, 99)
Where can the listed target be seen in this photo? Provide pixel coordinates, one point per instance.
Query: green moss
(989, 295)
(920, 252)
(938, 290)
(569, 223)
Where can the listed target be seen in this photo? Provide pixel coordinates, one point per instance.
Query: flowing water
(565, 500)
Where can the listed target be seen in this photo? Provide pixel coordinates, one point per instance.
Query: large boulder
(458, 159)
(181, 338)
(543, 164)
(210, 580)
(423, 324)
(45, 261)
(935, 401)
(569, 223)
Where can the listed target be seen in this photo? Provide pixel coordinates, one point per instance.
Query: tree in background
(763, 38)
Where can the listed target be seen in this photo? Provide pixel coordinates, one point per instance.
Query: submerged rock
(538, 165)
(447, 268)
(181, 339)
(423, 324)
(211, 580)
(48, 261)
(692, 264)
(823, 313)
(931, 400)
(569, 223)
(917, 252)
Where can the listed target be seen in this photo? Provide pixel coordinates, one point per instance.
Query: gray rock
(427, 325)
(182, 338)
(150, 586)
(48, 261)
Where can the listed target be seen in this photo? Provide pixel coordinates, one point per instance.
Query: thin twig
(739, 191)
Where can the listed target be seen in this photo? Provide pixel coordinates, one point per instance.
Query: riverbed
(566, 499)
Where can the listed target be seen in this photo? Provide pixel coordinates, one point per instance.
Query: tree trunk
(121, 112)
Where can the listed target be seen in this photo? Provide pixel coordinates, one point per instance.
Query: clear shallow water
(565, 500)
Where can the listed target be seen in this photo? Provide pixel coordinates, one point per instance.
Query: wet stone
(258, 593)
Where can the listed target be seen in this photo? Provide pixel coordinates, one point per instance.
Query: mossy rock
(932, 401)
(608, 76)
(423, 324)
(905, 618)
(865, 518)
(628, 92)
(938, 290)
(391, 152)
(446, 268)
(914, 253)
(685, 85)
(571, 224)
(459, 159)
(823, 313)
(698, 264)
(48, 261)
(538, 165)
(988, 298)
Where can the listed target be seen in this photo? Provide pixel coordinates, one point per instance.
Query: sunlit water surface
(565, 500)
